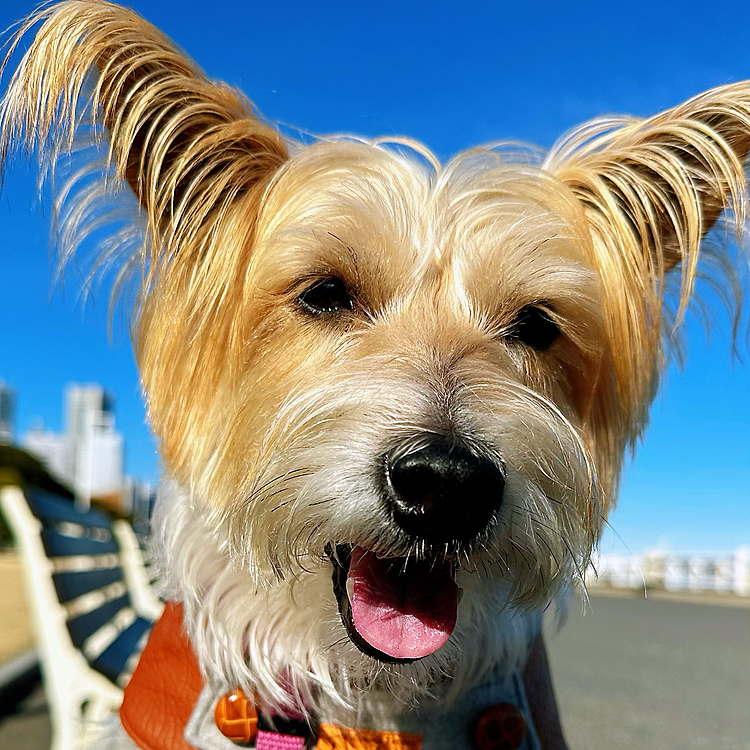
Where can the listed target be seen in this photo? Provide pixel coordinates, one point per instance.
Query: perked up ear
(649, 191)
(188, 147)
(196, 157)
(658, 185)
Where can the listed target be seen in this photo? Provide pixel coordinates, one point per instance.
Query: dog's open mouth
(394, 609)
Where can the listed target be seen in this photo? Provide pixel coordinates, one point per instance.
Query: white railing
(722, 572)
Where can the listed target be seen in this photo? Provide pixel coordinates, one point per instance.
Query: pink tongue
(406, 614)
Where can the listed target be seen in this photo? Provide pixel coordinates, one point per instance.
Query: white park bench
(91, 603)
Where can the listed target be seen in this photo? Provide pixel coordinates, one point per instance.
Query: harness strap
(164, 688)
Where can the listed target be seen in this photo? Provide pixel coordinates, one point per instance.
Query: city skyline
(452, 78)
(86, 454)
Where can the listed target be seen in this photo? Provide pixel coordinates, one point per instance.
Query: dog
(392, 396)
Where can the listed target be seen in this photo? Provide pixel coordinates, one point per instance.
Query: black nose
(444, 492)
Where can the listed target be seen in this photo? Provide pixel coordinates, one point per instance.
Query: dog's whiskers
(259, 493)
(280, 505)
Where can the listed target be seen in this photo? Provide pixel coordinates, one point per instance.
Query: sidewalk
(29, 729)
(16, 635)
(652, 674)
(688, 597)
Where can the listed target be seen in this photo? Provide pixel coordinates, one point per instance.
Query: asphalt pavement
(635, 674)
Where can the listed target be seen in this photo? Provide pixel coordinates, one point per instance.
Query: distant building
(138, 503)
(89, 454)
(7, 413)
(51, 448)
(96, 448)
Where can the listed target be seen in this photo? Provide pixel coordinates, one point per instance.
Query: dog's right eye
(534, 327)
(326, 296)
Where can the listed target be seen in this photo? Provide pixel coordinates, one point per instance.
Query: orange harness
(166, 684)
(162, 694)
(164, 688)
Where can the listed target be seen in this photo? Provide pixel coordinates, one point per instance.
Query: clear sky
(452, 74)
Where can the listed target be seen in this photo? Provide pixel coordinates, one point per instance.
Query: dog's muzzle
(445, 499)
(443, 493)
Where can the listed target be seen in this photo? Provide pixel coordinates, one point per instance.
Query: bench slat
(80, 628)
(83, 563)
(94, 600)
(48, 507)
(59, 545)
(112, 661)
(72, 585)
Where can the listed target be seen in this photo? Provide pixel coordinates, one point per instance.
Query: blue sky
(452, 75)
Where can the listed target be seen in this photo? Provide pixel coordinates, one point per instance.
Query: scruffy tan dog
(392, 397)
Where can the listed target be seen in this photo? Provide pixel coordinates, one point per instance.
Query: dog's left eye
(535, 327)
(326, 296)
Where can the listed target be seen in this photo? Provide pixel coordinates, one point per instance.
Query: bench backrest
(89, 580)
(90, 630)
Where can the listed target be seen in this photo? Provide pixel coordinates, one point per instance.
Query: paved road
(30, 729)
(630, 675)
(653, 675)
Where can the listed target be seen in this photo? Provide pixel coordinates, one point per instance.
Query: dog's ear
(647, 191)
(186, 146)
(652, 188)
(199, 161)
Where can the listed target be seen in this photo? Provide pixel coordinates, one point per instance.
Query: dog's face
(398, 433)
(387, 395)
(397, 393)
(390, 401)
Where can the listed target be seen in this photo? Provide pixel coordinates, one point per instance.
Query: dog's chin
(395, 610)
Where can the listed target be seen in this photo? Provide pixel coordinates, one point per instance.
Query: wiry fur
(300, 635)
(271, 424)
